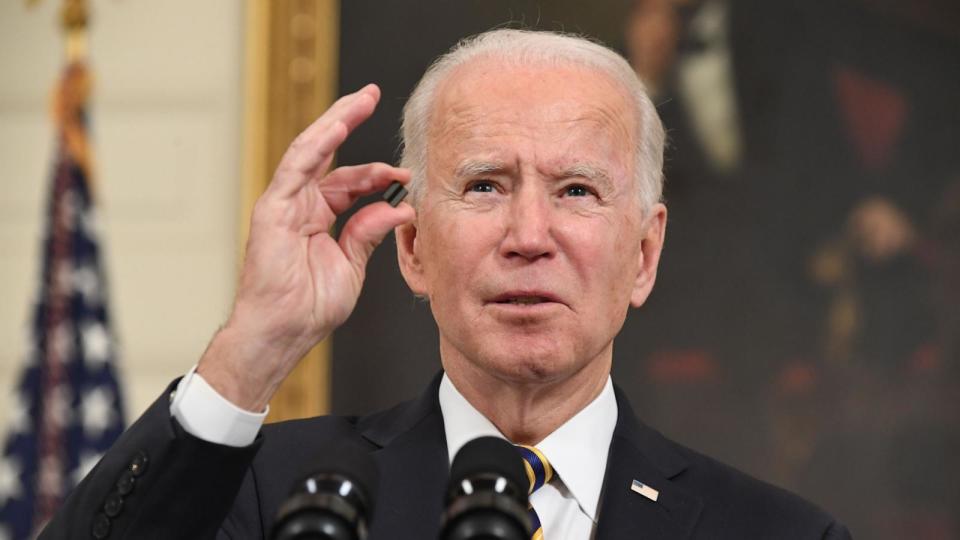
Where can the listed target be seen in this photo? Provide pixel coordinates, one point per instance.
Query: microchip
(395, 194)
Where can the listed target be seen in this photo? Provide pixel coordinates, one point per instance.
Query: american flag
(67, 406)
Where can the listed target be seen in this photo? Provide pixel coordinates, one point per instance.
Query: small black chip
(395, 194)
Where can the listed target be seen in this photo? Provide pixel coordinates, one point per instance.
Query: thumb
(364, 231)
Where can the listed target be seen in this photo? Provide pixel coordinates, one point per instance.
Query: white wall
(166, 132)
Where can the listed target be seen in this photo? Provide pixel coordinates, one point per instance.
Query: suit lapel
(414, 469)
(639, 453)
(413, 465)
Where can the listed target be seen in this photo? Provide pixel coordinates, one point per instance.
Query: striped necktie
(539, 472)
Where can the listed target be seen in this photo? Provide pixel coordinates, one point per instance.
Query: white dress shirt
(577, 450)
(207, 415)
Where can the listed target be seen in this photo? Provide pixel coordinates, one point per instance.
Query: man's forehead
(502, 83)
(484, 98)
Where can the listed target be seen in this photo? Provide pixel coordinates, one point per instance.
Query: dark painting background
(804, 325)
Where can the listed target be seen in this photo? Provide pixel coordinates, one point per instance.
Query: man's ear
(651, 245)
(408, 257)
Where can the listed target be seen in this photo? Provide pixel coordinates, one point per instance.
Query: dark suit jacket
(160, 482)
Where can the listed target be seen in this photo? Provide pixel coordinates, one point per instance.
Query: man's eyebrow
(588, 171)
(472, 168)
(478, 168)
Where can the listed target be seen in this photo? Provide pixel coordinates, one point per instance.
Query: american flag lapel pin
(645, 490)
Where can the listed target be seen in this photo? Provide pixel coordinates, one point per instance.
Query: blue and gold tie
(539, 472)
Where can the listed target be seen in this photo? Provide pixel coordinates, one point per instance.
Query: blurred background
(805, 326)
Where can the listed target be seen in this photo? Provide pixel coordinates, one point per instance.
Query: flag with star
(67, 406)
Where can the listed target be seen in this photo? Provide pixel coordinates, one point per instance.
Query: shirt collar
(577, 450)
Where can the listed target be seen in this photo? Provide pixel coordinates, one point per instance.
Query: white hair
(523, 48)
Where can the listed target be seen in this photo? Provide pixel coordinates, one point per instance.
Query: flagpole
(69, 102)
(73, 91)
(73, 19)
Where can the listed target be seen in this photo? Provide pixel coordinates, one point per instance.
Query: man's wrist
(242, 370)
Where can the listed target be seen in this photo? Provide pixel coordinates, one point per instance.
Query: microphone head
(486, 456)
(487, 494)
(334, 502)
(353, 463)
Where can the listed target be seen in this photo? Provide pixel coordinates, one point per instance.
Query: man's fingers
(349, 110)
(312, 150)
(345, 109)
(349, 115)
(365, 230)
(342, 187)
(306, 155)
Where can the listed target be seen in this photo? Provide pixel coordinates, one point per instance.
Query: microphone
(335, 502)
(487, 497)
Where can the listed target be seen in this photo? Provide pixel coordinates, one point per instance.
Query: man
(534, 164)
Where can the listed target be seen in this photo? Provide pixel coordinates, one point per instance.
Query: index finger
(313, 149)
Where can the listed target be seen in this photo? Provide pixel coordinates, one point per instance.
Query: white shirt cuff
(207, 415)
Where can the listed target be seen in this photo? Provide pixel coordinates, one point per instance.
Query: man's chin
(522, 367)
(517, 357)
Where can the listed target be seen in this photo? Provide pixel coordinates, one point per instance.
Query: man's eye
(481, 187)
(576, 190)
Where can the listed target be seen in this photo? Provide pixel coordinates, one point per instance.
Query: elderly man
(534, 163)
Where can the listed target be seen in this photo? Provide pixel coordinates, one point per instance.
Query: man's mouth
(525, 298)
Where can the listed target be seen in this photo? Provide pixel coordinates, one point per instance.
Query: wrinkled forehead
(489, 89)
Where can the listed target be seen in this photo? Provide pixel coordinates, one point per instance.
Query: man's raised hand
(298, 282)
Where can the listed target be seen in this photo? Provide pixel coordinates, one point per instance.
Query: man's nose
(530, 226)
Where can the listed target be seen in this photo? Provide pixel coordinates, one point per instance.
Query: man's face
(530, 242)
